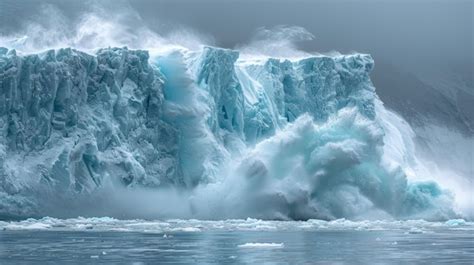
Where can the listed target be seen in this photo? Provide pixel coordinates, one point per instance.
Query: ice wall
(268, 138)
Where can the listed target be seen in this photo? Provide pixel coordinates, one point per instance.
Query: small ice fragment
(377, 239)
(165, 236)
(104, 253)
(188, 229)
(262, 245)
(455, 222)
(415, 231)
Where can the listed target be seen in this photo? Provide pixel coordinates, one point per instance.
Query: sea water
(250, 241)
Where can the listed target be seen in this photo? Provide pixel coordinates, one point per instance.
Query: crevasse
(232, 138)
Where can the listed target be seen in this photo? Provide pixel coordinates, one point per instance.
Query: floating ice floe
(262, 245)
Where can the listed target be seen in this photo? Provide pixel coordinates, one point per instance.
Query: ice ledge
(356, 60)
(361, 61)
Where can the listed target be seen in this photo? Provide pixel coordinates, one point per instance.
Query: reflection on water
(222, 247)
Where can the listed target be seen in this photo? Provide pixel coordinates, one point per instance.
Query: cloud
(278, 41)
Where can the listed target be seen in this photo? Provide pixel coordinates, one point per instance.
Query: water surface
(110, 241)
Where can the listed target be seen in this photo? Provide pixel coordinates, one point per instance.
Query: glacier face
(219, 136)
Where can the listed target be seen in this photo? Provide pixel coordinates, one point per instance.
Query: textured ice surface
(204, 135)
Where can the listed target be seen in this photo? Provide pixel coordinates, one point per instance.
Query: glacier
(205, 134)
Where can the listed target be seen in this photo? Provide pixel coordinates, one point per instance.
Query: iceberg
(229, 137)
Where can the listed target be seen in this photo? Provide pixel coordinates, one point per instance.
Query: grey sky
(383, 28)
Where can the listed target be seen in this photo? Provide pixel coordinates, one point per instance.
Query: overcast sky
(418, 34)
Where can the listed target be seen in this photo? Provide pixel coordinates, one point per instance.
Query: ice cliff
(233, 138)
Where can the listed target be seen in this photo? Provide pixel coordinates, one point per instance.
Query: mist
(416, 34)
